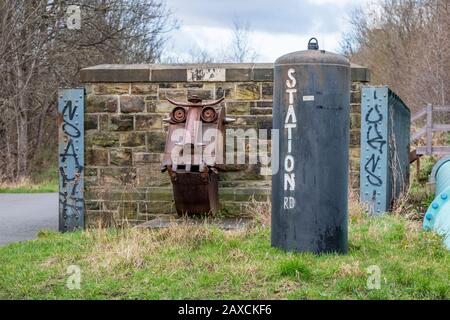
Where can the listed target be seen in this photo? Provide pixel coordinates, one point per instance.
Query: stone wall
(125, 133)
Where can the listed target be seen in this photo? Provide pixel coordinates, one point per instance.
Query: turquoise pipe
(437, 217)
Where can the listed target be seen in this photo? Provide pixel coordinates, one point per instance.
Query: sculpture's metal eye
(209, 114)
(178, 115)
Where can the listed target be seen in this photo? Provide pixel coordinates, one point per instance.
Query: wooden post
(418, 169)
(429, 129)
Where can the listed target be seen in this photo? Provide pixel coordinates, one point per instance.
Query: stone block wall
(125, 133)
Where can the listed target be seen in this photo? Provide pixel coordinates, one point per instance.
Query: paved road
(22, 216)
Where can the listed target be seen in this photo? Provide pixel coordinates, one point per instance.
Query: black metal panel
(310, 189)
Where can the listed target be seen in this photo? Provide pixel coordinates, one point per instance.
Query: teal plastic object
(437, 217)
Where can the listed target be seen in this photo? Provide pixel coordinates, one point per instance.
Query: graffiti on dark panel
(71, 162)
(376, 141)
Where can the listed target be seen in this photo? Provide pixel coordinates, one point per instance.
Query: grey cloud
(275, 16)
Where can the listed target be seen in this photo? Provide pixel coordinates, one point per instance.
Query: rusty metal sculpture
(193, 151)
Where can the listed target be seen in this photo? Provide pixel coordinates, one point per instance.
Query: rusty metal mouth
(194, 99)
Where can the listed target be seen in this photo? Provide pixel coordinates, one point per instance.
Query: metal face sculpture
(194, 149)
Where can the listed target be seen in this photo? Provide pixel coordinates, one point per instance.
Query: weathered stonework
(125, 133)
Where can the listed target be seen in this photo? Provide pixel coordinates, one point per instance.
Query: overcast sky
(278, 26)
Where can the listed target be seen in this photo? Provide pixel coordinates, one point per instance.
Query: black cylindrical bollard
(310, 189)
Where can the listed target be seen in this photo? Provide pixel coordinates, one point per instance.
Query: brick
(245, 120)
(251, 173)
(156, 207)
(103, 121)
(148, 122)
(121, 123)
(230, 208)
(238, 108)
(101, 139)
(356, 86)
(144, 88)
(226, 194)
(132, 104)
(118, 176)
(247, 91)
(360, 74)
(152, 177)
(159, 194)
(355, 151)
(238, 74)
(93, 205)
(156, 142)
(96, 157)
(224, 90)
(260, 111)
(127, 210)
(264, 104)
(90, 172)
(132, 139)
(355, 121)
(355, 138)
(90, 122)
(111, 88)
(355, 108)
(163, 107)
(355, 97)
(196, 85)
(267, 90)
(265, 122)
(127, 194)
(150, 105)
(121, 157)
(98, 104)
(91, 180)
(203, 94)
(116, 73)
(146, 158)
(169, 75)
(168, 85)
(263, 74)
(177, 95)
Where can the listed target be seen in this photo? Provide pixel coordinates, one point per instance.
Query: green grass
(207, 263)
(44, 187)
(45, 181)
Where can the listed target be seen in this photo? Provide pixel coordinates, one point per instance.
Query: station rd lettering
(289, 124)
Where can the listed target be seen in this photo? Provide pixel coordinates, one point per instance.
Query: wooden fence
(428, 130)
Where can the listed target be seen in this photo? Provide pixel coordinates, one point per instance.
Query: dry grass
(26, 185)
(259, 211)
(129, 246)
(21, 183)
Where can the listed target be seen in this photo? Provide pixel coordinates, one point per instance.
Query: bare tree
(406, 45)
(240, 47)
(39, 54)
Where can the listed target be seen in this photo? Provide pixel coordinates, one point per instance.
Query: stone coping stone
(213, 72)
(173, 220)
